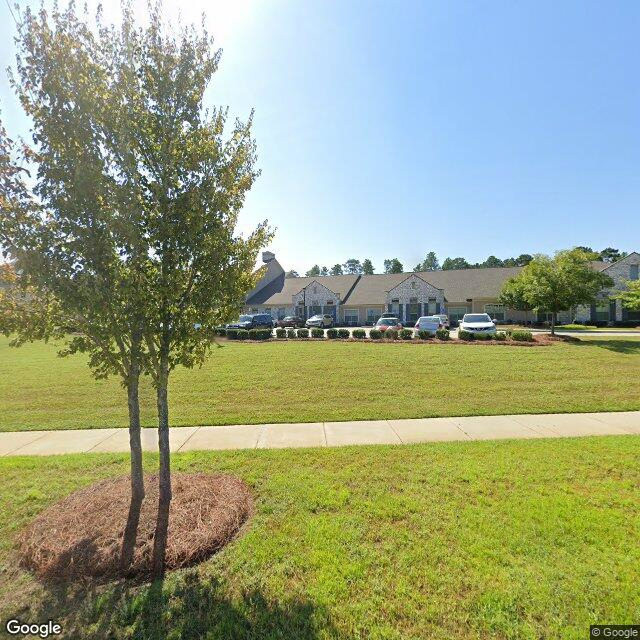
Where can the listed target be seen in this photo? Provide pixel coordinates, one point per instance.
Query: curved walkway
(327, 434)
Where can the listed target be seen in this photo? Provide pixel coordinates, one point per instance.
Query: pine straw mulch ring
(81, 536)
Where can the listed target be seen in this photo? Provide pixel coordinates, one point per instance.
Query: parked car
(429, 323)
(291, 321)
(389, 315)
(388, 323)
(444, 319)
(321, 320)
(477, 323)
(252, 321)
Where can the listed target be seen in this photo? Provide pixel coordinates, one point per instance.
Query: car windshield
(315, 318)
(429, 319)
(387, 321)
(476, 317)
(245, 319)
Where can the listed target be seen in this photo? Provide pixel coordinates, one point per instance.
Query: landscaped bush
(332, 333)
(406, 334)
(343, 333)
(522, 336)
(500, 335)
(303, 333)
(426, 335)
(443, 334)
(242, 334)
(221, 331)
(260, 334)
(465, 335)
(391, 334)
(291, 333)
(359, 334)
(232, 334)
(317, 333)
(375, 334)
(281, 333)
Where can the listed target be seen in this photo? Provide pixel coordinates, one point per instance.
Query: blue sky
(389, 129)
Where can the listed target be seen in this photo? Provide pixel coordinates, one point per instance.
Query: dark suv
(253, 321)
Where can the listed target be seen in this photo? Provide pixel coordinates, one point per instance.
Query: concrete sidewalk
(327, 434)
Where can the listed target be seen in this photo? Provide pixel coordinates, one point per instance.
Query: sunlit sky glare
(390, 129)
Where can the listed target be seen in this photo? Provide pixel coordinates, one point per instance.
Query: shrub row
(515, 334)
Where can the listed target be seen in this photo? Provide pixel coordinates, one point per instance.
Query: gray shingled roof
(458, 284)
(288, 287)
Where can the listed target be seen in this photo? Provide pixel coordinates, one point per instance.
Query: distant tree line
(431, 263)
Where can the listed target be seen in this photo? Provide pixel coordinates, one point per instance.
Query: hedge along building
(361, 299)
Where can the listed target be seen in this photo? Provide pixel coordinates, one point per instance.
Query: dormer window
(633, 272)
(315, 289)
(414, 284)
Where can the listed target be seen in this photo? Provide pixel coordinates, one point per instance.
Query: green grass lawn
(245, 383)
(509, 539)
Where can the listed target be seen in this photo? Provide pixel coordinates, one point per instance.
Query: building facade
(355, 300)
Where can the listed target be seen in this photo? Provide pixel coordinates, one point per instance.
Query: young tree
(562, 282)
(514, 295)
(324, 271)
(291, 274)
(122, 122)
(336, 270)
(74, 263)
(492, 261)
(352, 266)
(367, 267)
(630, 296)
(393, 265)
(313, 272)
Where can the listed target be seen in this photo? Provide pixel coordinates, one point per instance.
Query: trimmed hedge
(291, 333)
(232, 334)
(303, 333)
(220, 331)
(500, 335)
(317, 333)
(375, 334)
(260, 334)
(443, 334)
(522, 336)
(332, 333)
(426, 335)
(467, 336)
(281, 333)
(406, 334)
(483, 336)
(242, 334)
(359, 334)
(391, 334)
(343, 333)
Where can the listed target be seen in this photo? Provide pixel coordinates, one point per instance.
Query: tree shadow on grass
(185, 606)
(630, 347)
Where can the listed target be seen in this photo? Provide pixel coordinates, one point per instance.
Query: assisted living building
(361, 299)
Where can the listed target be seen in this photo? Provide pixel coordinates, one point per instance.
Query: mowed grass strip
(297, 381)
(509, 539)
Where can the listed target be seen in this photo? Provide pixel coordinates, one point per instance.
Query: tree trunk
(164, 498)
(553, 324)
(137, 477)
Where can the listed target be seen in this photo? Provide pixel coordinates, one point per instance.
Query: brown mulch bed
(81, 536)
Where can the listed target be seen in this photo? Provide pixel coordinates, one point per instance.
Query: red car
(388, 323)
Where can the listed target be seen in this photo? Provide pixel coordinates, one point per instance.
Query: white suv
(477, 323)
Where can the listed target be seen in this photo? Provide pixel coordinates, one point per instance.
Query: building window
(281, 313)
(315, 289)
(495, 311)
(414, 284)
(351, 317)
(455, 313)
(633, 272)
(601, 312)
(373, 315)
(431, 306)
(254, 309)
